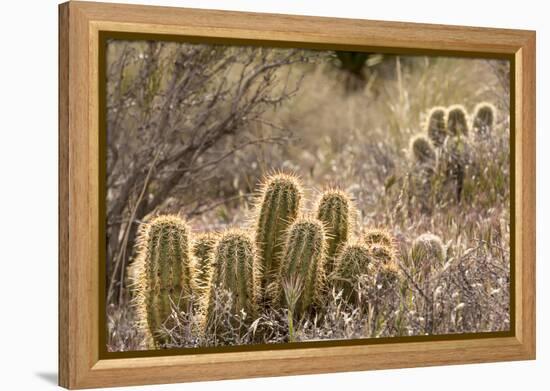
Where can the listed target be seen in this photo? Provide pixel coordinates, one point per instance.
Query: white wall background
(28, 193)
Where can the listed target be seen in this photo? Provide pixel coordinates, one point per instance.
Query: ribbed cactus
(456, 155)
(484, 118)
(422, 150)
(277, 207)
(352, 262)
(379, 236)
(303, 258)
(163, 275)
(202, 250)
(428, 252)
(436, 125)
(457, 121)
(234, 270)
(334, 210)
(384, 264)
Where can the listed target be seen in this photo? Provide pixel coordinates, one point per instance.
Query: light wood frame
(80, 365)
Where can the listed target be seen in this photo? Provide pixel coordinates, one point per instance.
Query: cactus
(456, 155)
(484, 118)
(202, 250)
(436, 129)
(163, 275)
(278, 206)
(352, 262)
(422, 174)
(428, 252)
(334, 210)
(422, 150)
(234, 270)
(384, 264)
(379, 236)
(428, 248)
(303, 256)
(457, 121)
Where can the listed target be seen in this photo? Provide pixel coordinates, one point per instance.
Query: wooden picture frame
(81, 363)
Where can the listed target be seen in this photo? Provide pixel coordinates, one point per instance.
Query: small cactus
(163, 275)
(304, 256)
(457, 121)
(334, 210)
(422, 150)
(278, 206)
(379, 236)
(234, 267)
(428, 252)
(352, 262)
(384, 264)
(436, 126)
(422, 171)
(202, 250)
(484, 118)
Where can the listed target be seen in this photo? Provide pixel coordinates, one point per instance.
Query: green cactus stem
(352, 262)
(485, 115)
(334, 210)
(163, 276)
(202, 250)
(234, 271)
(457, 121)
(422, 150)
(303, 256)
(278, 206)
(436, 125)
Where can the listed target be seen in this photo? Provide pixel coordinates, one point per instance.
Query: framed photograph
(246, 195)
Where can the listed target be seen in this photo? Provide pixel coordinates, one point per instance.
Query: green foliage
(278, 206)
(202, 250)
(304, 256)
(457, 121)
(484, 118)
(162, 275)
(436, 125)
(422, 150)
(334, 211)
(352, 263)
(234, 270)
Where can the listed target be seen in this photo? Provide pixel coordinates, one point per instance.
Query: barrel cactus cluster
(445, 147)
(289, 258)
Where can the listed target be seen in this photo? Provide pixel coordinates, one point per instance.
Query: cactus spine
(484, 118)
(163, 275)
(334, 210)
(436, 127)
(352, 262)
(203, 246)
(457, 121)
(278, 206)
(304, 256)
(234, 270)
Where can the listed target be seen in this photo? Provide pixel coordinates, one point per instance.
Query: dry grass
(358, 141)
